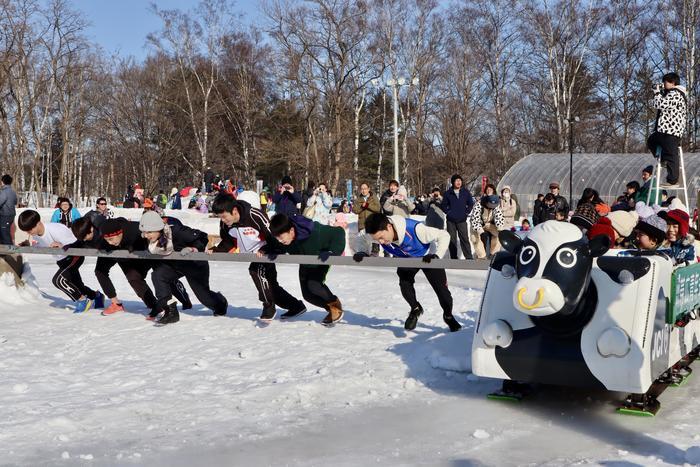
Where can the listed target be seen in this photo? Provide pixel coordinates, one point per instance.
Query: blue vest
(411, 247)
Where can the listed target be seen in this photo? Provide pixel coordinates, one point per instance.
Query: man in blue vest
(408, 238)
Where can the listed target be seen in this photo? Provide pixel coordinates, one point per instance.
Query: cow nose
(539, 296)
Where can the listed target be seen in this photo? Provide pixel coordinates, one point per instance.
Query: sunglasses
(102, 204)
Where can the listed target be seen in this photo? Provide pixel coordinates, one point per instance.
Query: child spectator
(679, 242)
(650, 232)
(341, 219)
(67, 279)
(617, 225)
(408, 238)
(302, 236)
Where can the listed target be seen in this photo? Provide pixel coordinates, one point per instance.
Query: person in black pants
(670, 101)
(457, 204)
(121, 234)
(8, 201)
(246, 229)
(301, 236)
(165, 240)
(408, 238)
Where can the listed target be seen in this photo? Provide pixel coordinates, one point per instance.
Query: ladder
(656, 188)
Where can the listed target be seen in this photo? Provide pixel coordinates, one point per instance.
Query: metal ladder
(656, 188)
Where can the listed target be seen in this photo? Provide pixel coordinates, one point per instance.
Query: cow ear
(511, 242)
(598, 245)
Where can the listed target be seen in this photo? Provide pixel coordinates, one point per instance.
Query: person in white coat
(322, 203)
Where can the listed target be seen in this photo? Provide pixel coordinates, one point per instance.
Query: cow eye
(566, 257)
(527, 254)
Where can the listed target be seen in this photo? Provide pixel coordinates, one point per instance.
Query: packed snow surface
(91, 390)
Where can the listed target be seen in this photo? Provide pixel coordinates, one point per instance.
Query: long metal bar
(251, 258)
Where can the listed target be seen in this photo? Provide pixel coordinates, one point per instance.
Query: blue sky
(121, 26)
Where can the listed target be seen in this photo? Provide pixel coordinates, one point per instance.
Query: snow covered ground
(93, 390)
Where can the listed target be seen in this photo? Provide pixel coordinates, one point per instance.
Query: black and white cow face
(553, 266)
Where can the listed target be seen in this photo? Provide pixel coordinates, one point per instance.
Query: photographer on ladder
(670, 103)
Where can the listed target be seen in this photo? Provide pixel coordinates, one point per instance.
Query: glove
(365, 205)
(186, 251)
(429, 258)
(359, 256)
(272, 256)
(324, 255)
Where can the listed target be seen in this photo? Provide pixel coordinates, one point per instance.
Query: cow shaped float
(559, 309)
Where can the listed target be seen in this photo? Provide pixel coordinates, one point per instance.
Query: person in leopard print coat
(486, 219)
(670, 103)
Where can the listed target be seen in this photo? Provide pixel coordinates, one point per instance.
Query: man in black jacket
(457, 203)
(165, 240)
(121, 234)
(247, 229)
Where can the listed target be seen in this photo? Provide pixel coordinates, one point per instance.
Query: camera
(659, 88)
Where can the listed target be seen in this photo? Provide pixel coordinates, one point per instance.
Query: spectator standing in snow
(65, 213)
(486, 219)
(209, 178)
(100, 214)
(670, 102)
(8, 201)
(286, 199)
(509, 208)
(321, 202)
(457, 204)
(561, 204)
(398, 203)
(364, 205)
(538, 215)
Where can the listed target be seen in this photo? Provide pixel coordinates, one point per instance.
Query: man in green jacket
(364, 205)
(301, 236)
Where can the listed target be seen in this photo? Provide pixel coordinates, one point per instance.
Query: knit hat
(585, 216)
(679, 217)
(648, 169)
(623, 222)
(506, 187)
(602, 227)
(654, 227)
(553, 185)
(173, 192)
(454, 178)
(643, 211)
(111, 228)
(286, 180)
(151, 222)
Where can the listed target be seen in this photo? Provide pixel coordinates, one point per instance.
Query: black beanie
(286, 180)
(454, 178)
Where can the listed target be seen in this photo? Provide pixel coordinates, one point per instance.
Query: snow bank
(13, 296)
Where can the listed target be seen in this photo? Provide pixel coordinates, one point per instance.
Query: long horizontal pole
(251, 258)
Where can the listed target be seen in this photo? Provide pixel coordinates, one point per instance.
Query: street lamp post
(571, 121)
(395, 84)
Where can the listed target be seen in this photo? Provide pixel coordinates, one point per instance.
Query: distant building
(607, 173)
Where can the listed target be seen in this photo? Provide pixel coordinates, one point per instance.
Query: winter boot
(412, 319)
(335, 313)
(169, 315)
(113, 308)
(294, 312)
(99, 300)
(268, 313)
(452, 323)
